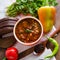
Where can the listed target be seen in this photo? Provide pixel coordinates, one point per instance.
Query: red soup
(28, 30)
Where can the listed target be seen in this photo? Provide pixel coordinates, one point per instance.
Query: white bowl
(23, 19)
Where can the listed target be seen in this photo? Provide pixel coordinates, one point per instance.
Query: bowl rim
(32, 43)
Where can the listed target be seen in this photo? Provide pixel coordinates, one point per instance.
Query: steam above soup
(28, 30)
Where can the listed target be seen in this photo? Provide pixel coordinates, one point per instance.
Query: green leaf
(28, 6)
(4, 58)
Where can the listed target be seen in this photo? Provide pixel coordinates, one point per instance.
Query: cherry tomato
(11, 53)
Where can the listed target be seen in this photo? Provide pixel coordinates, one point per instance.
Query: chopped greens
(27, 6)
(28, 31)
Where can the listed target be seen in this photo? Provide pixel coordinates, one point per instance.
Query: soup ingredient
(53, 41)
(47, 16)
(27, 6)
(28, 30)
(11, 53)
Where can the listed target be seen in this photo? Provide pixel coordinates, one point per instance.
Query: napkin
(3, 6)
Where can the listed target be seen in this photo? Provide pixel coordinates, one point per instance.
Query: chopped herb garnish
(28, 31)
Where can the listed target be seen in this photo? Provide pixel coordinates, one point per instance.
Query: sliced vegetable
(54, 42)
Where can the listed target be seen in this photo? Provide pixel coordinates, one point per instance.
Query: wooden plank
(7, 42)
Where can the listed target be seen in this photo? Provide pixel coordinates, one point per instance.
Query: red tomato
(11, 53)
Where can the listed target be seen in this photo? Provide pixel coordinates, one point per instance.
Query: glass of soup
(28, 30)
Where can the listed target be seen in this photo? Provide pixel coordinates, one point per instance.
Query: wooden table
(57, 25)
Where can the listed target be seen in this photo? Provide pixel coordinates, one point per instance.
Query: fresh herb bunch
(27, 6)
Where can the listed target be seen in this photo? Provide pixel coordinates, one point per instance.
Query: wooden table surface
(57, 25)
